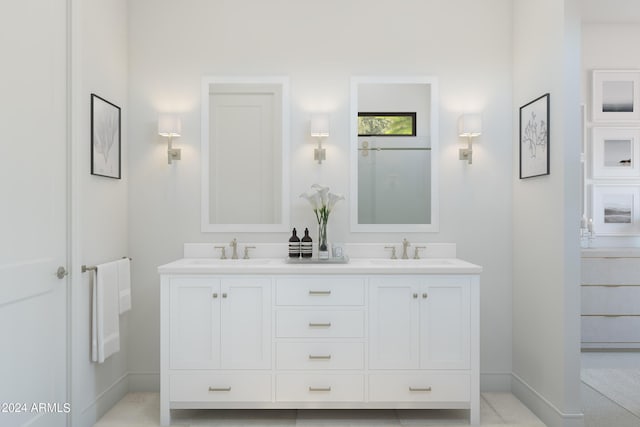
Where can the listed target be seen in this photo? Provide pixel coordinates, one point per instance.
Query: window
(386, 124)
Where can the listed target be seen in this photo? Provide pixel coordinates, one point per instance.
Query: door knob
(61, 272)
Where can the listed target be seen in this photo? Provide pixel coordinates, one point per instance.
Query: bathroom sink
(226, 262)
(423, 262)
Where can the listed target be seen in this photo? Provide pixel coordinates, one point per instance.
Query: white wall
(99, 66)
(465, 43)
(546, 212)
(614, 47)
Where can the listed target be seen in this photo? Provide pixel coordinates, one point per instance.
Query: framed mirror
(245, 154)
(394, 152)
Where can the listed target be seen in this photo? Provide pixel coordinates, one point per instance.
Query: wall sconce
(469, 126)
(169, 127)
(319, 129)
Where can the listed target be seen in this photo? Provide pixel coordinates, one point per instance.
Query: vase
(323, 246)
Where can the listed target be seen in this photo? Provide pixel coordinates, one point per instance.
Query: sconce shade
(470, 125)
(320, 125)
(169, 125)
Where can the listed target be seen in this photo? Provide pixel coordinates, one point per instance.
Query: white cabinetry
(327, 341)
(611, 299)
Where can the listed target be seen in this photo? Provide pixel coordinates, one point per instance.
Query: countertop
(355, 266)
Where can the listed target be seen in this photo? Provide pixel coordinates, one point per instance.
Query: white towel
(105, 325)
(124, 284)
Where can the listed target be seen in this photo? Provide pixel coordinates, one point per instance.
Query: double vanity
(373, 333)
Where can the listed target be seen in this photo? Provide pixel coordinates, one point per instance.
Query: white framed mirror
(393, 154)
(245, 154)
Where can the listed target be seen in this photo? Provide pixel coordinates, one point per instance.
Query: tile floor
(142, 410)
(600, 411)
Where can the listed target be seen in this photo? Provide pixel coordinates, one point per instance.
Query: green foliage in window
(386, 125)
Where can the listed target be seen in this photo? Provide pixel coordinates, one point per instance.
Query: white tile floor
(143, 409)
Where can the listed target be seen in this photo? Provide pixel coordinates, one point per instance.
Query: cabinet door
(393, 323)
(445, 323)
(246, 323)
(195, 323)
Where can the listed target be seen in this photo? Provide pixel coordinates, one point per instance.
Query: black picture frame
(534, 138)
(105, 138)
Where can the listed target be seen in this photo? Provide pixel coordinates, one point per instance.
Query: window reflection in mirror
(394, 181)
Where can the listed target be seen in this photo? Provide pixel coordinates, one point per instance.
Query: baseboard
(539, 405)
(497, 382)
(102, 403)
(144, 381)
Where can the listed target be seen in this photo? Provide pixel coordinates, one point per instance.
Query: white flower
(333, 199)
(322, 201)
(314, 199)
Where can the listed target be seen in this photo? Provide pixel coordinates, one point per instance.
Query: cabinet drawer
(610, 300)
(320, 291)
(600, 329)
(322, 355)
(611, 271)
(319, 388)
(220, 388)
(319, 324)
(419, 387)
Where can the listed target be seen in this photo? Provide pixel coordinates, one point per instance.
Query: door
(33, 213)
(194, 312)
(445, 323)
(393, 324)
(246, 323)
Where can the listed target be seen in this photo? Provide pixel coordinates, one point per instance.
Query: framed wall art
(616, 209)
(534, 138)
(616, 95)
(105, 138)
(616, 152)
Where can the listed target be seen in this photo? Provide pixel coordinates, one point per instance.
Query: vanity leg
(474, 413)
(165, 413)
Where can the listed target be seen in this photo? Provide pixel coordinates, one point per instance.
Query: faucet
(234, 245)
(405, 245)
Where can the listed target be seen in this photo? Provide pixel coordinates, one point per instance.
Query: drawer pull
(320, 325)
(319, 388)
(419, 389)
(312, 357)
(219, 388)
(320, 293)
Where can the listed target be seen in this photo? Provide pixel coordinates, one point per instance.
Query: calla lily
(333, 199)
(314, 199)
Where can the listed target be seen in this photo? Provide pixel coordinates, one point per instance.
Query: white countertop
(355, 266)
(611, 253)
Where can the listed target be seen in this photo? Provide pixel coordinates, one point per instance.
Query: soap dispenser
(294, 245)
(306, 247)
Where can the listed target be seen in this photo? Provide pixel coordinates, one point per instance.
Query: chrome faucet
(405, 245)
(234, 245)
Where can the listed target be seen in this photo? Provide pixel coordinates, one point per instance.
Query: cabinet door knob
(415, 295)
(215, 295)
(424, 295)
(224, 295)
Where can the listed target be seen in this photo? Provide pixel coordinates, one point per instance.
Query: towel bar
(94, 268)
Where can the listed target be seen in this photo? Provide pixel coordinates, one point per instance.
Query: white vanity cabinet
(420, 323)
(610, 298)
(349, 339)
(220, 323)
